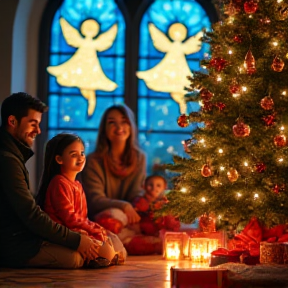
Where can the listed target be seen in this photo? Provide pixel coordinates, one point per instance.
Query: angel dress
(170, 74)
(83, 69)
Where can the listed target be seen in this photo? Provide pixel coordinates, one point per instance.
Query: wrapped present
(271, 253)
(200, 278)
(222, 255)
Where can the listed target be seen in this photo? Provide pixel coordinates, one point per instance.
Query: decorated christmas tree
(238, 162)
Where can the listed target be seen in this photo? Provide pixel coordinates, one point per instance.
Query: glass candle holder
(198, 250)
(174, 245)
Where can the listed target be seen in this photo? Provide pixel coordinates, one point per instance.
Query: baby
(153, 199)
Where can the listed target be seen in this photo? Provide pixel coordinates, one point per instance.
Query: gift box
(198, 278)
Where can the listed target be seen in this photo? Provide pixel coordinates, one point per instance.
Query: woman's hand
(132, 215)
(88, 248)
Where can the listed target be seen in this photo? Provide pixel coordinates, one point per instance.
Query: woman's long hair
(103, 143)
(54, 147)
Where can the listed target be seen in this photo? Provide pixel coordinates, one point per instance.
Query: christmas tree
(238, 154)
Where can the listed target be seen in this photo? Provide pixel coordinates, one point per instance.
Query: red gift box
(200, 278)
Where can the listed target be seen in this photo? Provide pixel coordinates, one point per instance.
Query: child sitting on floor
(153, 199)
(144, 238)
(62, 197)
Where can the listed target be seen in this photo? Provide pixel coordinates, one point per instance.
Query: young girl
(62, 197)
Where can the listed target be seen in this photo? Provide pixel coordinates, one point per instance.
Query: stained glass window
(159, 134)
(67, 106)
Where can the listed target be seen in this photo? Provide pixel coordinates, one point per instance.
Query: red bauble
(249, 63)
(280, 140)
(207, 223)
(267, 103)
(241, 129)
(238, 38)
(269, 120)
(232, 175)
(235, 89)
(278, 188)
(183, 120)
(207, 106)
(250, 6)
(278, 64)
(218, 63)
(220, 106)
(205, 94)
(260, 167)
(206, 170)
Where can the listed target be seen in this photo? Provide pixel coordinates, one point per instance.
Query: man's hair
(18, 105)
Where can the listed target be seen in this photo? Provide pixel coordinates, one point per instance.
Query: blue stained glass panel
(72, 106)
(157, 111)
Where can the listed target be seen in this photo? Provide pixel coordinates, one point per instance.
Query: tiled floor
(140, 272)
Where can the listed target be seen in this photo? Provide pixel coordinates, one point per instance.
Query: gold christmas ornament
(278, 64)
(232, 175)
(280, 140)
(249, 63)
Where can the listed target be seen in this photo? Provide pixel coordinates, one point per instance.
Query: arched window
(78, 53)
(166, 61)
(86, 73)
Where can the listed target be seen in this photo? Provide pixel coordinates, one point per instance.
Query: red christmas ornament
(206, 170)
(249, 63)
(250, 6)
(280, 140)
(269, 120)
(205, 94)
(260, 167)
(183, 120)
(235, 88)
(238, 38)
(187, 145)
(220, 106)
(267, 103)
(241, 129)
(207, 106)
(278, 188)
(218, 63)
(278, 64)
(207, 223)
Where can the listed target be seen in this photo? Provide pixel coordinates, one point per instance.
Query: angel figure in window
(170, 74)
(83, 69)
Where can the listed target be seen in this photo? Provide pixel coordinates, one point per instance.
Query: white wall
(25, 57)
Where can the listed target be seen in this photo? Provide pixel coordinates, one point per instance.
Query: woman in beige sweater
(115, 172)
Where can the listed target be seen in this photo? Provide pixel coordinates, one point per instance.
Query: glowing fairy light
(275, 43)
(219, 79)
(222, 168)
(220, 151)
(239, 194)
(246, 164)
(256, 196)
(284, 93)
(202, 140)
(280, 160)
(203, 199)
(282, 128)
(230, 52)
(244, 88)
(183, 190)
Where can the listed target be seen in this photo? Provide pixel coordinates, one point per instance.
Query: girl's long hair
(55, 146)
(103, 143)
